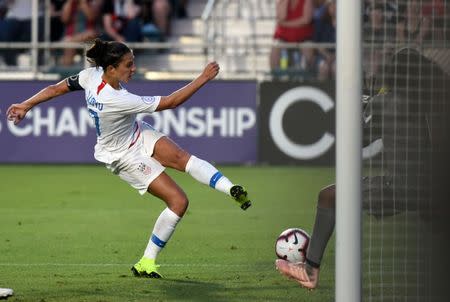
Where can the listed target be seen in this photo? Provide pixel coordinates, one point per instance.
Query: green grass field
(71, 233)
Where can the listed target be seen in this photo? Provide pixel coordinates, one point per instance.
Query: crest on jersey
(148, 99)
(146, 170)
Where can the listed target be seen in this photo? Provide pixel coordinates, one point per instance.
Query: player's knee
(180, 160)
(179, 204)
(327, 197)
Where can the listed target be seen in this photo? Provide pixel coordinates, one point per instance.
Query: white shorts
(137, 167)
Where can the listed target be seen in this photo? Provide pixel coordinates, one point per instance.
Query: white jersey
(114, 113)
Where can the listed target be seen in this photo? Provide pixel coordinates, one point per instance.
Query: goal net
(406, 63)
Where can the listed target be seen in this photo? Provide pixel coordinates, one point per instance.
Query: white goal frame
(348, 151)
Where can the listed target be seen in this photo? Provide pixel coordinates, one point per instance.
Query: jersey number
(94, 115)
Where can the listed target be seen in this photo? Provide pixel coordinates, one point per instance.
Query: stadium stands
(238, 34)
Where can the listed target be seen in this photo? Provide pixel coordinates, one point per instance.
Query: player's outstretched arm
(182, 95)
(17, 112)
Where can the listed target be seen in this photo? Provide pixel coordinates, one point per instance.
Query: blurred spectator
(414, 27)
(325, 32)
(156, 16)
(294, 24)
(377, 32)
(433, 7)
(377, 29)
(435, 10)
(16, 27)
(56, 24)
(3, 8)
(121, 20)
(180, 8)
(80, 20)
(320, 8)
(390, 9)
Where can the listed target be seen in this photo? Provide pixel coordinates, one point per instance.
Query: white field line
(130, 264)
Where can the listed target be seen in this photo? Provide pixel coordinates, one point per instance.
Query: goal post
(348, 151)
(389, 206)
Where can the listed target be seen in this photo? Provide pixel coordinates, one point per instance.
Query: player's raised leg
(167, 190)
(307, 274)
(207, 174)
(169, 154)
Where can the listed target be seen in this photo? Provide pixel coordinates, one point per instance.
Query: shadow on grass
(191, 290)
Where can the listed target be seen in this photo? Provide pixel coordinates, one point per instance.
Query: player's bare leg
(169, 154)
(176, 200)
(305, 275)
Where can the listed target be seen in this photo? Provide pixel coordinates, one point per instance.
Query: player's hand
(16, 112)
(211, 70)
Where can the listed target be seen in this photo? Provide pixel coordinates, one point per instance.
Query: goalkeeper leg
(307, 274)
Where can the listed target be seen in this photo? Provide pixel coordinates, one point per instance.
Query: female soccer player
(133, 149)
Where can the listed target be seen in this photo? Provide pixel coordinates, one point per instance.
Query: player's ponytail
(103, 53)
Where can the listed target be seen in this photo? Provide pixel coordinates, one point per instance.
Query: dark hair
(104, 53)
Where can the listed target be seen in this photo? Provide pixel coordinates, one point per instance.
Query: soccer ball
(292, 244)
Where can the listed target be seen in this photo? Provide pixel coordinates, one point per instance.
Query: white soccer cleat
(6, 292)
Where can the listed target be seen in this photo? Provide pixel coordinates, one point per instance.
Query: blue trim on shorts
(214, 179)
(158, 241)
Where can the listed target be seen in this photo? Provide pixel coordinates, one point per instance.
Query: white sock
(163, 229)
(207, 174)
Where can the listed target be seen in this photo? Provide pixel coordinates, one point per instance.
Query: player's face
(126, 68)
